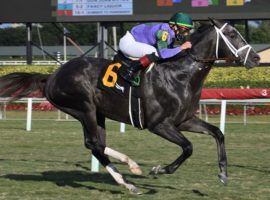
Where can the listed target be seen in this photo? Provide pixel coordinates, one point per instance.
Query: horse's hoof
(223, 178)
(134, 190)
(136, 170)
(156, 170)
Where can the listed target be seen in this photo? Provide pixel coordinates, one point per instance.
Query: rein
(231, 47)
(208, 60)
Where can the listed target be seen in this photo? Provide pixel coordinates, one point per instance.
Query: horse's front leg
(169, 132)
(199, 126)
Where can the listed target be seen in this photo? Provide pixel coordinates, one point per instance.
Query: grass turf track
(51, 162)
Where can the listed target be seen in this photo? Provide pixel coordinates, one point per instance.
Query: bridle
(231, 47)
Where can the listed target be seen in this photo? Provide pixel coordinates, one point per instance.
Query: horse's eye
(232, 35)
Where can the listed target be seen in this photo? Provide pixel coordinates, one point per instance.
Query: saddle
(112, 83)
(128, 60)
(120, 57)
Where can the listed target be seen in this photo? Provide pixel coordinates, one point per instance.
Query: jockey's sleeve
(163, 42)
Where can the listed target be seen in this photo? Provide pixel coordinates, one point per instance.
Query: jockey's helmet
(181, 19)
(181, 24)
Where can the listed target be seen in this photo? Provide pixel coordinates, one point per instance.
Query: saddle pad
(112, 83)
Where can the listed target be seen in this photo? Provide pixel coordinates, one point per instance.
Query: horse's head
(231, 43)
(227, 42)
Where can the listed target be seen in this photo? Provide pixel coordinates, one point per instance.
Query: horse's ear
(214, 22)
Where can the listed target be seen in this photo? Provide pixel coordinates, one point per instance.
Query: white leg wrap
(115, 174)
(120, 180)
(134, 167)
(120, 156)
(115, 154)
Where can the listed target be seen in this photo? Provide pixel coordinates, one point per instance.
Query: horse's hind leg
(94, 133)
(94, 139)
(133, 166)
(199, 126)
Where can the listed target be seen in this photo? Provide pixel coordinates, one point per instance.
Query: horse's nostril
(256, 58)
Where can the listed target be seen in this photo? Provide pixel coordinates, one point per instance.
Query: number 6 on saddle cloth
(110, 81)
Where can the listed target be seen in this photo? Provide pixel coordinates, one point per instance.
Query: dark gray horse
(170, 95)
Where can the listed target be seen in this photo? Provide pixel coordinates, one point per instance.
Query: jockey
(153, 41)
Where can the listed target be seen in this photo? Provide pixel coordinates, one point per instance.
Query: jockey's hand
(186, 45)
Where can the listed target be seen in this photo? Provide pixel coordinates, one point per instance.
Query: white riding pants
(130, 47)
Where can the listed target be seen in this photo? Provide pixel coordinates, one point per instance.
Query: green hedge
(27, 68)
(220, 77)
(224, 77)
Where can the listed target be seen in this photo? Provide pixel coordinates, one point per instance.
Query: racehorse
(170, 93)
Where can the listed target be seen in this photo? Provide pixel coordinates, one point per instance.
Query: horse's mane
(200, 31)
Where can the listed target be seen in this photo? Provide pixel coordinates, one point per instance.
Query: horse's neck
(203, 50)
(186, 72)
(199, 77)
(196, 74)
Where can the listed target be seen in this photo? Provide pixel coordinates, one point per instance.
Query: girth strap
(135, 110)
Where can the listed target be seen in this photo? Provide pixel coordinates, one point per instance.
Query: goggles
(183, 29)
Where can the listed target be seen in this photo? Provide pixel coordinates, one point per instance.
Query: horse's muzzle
(253, 61)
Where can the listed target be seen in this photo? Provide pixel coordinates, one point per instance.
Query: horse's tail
(19, 84)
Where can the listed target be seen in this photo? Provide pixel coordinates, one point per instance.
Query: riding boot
(129, 72)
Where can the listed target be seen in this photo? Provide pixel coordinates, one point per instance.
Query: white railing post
(223, 116)
(122, 127)
(1, 112)
(245, 115)
(58, 115)
(94, 164)
(29, 114)
(205, 112)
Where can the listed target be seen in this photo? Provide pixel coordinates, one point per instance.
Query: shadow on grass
(253, 168)
(68, 178)
(81, 164)
(199, 193)
(76, 178)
